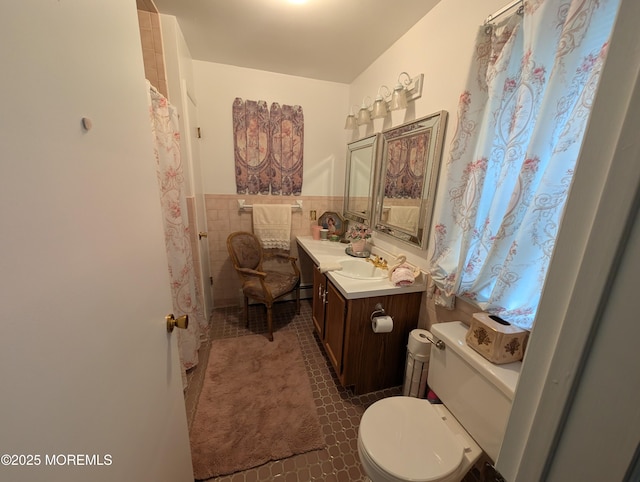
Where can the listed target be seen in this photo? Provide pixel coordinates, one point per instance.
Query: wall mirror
(359, 179)
(411, 155)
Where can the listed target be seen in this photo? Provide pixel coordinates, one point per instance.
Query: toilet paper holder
(380, 321)
(378, 310)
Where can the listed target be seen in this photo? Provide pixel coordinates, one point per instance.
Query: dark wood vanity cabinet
(329, 309)
(362, 359)
(334, 327)
(319, 300)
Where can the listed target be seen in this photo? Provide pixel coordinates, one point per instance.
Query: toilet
(410, 439)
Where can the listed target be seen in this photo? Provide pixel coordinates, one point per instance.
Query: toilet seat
(405, 438)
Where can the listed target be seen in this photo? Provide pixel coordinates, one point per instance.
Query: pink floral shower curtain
(171, 183)
(519, 131)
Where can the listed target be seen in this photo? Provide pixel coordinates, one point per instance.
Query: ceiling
(332, 40)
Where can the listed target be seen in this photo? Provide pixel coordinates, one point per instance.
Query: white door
(193, 155)
(90, 386)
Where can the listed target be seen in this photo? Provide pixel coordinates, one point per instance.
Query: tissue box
(495, 339)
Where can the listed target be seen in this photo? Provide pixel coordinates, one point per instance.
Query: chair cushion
(277, 283)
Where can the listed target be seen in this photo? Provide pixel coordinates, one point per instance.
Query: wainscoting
(224, 217)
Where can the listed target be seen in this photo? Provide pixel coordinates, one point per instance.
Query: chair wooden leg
(270, 322)
(246, 312)
(298, 299)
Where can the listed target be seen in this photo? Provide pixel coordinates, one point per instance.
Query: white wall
(179, 72)
(323, 105)
(177, 59)
(440, 46)
(617, 429)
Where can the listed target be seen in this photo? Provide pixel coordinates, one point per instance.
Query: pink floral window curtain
(268, 148)
(520, 127)
(171, 183)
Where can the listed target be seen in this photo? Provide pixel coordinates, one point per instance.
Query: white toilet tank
(477, 392)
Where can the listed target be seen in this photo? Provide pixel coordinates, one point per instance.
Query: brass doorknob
(181, 322)
(202, 234)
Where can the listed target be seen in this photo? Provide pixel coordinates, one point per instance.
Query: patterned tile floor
(338, 408)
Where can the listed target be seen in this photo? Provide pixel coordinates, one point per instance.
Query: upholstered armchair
(262, 285)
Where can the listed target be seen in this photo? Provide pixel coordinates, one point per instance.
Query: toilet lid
(407, 438)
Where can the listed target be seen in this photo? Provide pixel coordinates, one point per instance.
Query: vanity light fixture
(407, 89)
(351, 123)
(364, 117)
(380, 106)
(399, 96)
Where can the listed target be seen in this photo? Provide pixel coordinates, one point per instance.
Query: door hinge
(198, 133)
(211, 280)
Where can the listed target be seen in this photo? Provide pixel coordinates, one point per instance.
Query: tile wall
(224, 217)
(152, 52)
(431, 314)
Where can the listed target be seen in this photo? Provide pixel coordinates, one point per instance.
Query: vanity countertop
(329, 252)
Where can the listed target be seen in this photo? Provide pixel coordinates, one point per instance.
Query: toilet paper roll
(382, 324)
(419, 344)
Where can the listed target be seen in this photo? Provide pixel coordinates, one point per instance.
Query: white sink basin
(359, 269)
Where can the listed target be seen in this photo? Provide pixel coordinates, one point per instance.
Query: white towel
(272, 225)
(324, 267)
(404, 217)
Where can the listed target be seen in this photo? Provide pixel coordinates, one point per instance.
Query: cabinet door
(373, 361)
(319, 300)
(335, 327)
